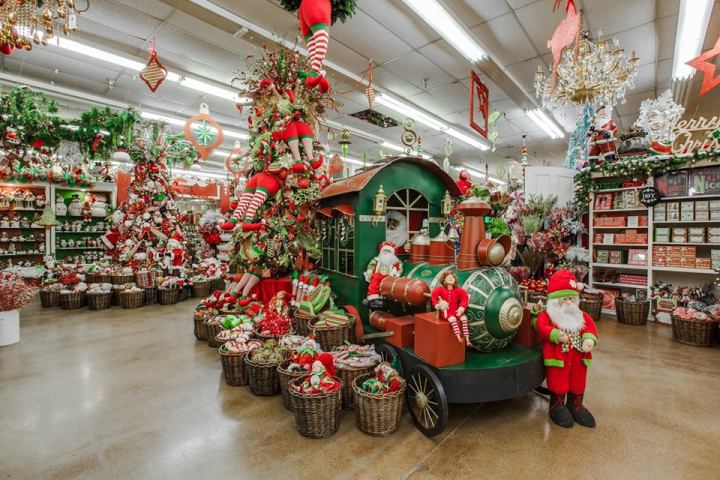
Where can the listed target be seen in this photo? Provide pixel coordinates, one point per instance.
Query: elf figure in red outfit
(568, 336)
(451, 301)
(315, 18)
(464, 182)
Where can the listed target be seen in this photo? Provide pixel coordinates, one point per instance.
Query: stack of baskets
(632, 312)
(698, 333)
(122, 279)
(330, 337)
(99, 300)
(316, 415)
(592, 305)
(201, 289)
(285, 376)
(49, 297)
(132, 298)
(302, 321)
(168, 296)
(377, 414)
(150, 295)
(116, 291)
(73, 300)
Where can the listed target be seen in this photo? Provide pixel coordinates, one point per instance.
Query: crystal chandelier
(27, 22)
(599, 74)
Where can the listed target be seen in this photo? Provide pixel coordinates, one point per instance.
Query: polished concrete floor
(131, 395)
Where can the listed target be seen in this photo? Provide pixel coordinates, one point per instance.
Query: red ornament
(480, 91)
(154, 73)
(303, 183)
(7, 48)
(703, 64)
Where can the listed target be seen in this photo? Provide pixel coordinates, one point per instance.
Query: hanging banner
(479, 102)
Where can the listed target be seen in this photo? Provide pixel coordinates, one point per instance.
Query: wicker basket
(592, 305)
(632, 313)
(286, 376)
(49, 298)
(168, 296)
(302, 322)
(115, 296)
(234, 371)
(122, 279)
(72, 301)
(331, 337)
(316, 416)
(217, 284)
(99, 301)
(211, 332)
(199, 328)
(184, 293)
(91, 278)
(150, 295)
(201, 289)
(377, 414)
(263, 377)
(130, 299)
(347, 376)
(698, 333)
(102, 278)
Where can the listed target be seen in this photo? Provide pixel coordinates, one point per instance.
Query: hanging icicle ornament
(494, 135)
(449, 149)
(345, 142)
(154, 73)
(523, 157)
(203, 132)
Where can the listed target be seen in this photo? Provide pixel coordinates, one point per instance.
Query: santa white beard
(388, 259)
(567, 317)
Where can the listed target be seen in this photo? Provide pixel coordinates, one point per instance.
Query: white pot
(9, 327)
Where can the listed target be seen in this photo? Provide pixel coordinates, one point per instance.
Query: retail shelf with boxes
(22, 240)
(676, 241)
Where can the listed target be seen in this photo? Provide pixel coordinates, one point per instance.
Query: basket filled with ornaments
(262, 366)
(99, 296)
(379, 400)
(213, 326)
(50, 294)
(316, 399)
(200, 286)
(232, 358)
(695, 327)
(168, 290)
(234, 326)
(72, 295)
(122, 276)
(203, 310)
(132, 297)
(332, 328)
(352, 361)
(276, 321)
(299, 363)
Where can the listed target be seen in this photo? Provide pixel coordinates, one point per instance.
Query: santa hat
(386, 246)
(110, 239)
(464, 175)
(562, 284)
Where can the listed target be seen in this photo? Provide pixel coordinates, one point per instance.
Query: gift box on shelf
(603, 201)
(704, 263)
(435, 342)
(633, 279)
(679, 235)
(598, 237)
(687, 210)
(602, 256)
(643, 221)
(715, 259)
(616, 257)
(637, 256)
(633, 221)
(702, 215)
(702, 206)
(662, 235)
(608, 238)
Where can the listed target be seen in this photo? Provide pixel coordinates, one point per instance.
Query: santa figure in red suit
(451, 302)
(175, 256)
(384, 265)
(568, 336)
(602, 136)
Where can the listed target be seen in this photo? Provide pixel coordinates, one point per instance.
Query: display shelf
(683, 222)
(620, 285)
(20, 254)
(686, 270)
(623, 189)
(616, 228)
(78, 248)
(22, 228)
(644, 209)
(620, 245)
(81, 231)
(22, 209)
(690, 197)
(23, 241)
(620, 266)
(688, 244)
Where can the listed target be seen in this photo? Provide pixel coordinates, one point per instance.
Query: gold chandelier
(600, 73)
(27, 22)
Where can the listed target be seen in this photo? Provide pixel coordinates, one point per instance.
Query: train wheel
(426, 400)
(389, 354)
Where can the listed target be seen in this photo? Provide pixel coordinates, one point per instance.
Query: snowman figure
(99, 208)
(76, 207)
(60, 207)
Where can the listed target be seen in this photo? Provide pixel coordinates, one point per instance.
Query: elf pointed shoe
(578, 411)
(323, 85)
(312, 81)
(559, 412)
(251, 227)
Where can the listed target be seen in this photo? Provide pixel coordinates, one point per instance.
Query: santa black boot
(581, 414)
(559, 412)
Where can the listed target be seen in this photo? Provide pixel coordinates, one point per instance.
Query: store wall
(550, 181)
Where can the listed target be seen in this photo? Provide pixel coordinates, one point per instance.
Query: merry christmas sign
(696, 134)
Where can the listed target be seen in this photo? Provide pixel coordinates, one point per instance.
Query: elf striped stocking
(464, 323)
(243, 203)
(454, 324)
(258, 199)
(317, 46)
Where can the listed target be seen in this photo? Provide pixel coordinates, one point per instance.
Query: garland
(636, 166)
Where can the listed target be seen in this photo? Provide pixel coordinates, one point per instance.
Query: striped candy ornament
(154, 73)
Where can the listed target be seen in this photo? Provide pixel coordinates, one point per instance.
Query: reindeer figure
(566, 33)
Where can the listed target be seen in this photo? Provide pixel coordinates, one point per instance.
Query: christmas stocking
(315, 20)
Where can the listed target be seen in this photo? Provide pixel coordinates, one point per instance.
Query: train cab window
(338, 244)
(406, 210)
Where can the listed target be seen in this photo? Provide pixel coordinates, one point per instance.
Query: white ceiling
(412, 61)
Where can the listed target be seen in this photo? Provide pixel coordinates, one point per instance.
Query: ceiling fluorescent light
(392, 146)
(181, 123)
(691, 28)
(213, 90)
(544, 122)
(466, 138)
(411, 112)
(440, 19)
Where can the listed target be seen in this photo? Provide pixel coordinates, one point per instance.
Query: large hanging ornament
(479, 102)
(708, 68)
(370, 90)
(345, 142)
(154, 73)
(409, 138)
(494, 133)
(24, 23)
(566, 33)
(203, 132)
(449, 149)
(658, 118)
(235, 162)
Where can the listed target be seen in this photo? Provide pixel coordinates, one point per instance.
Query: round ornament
(203, 132)
(649, 196)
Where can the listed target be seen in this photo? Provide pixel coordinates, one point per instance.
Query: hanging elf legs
(246, 284)
(297, 132)
(315, 20)
(258, 189)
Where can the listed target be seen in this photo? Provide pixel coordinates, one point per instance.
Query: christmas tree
(147, 229)
(274, 223)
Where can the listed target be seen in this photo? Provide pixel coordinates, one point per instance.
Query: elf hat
(562, 284)
(386, 246)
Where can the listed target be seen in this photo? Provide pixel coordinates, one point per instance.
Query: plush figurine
(451, 301)
(602, 139)
(261, 186)
(315, 18)
(568, 336)
(385, 264)
(75, 208)
(99, 208)
(175, 256)
(464, 183)
(60, 207)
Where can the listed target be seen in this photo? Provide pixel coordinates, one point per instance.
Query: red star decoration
(703, 64)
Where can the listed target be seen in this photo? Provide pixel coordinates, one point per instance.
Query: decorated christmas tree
(274, 222)
(147, 228)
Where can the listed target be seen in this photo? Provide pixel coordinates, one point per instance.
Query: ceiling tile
(667, 7)
(370, 39)
(129, 22)
(347, 58)
(153, 9)
(524, 73)
(416, 69)
(539, 21)
(645, 78)
(504, 39)
(394, 83)
(431, 103)
(455, 96)
(475, 12)
(508, 108)
(270, 15)
(666, 31)
(446, 57)
(664, 74)
(520, 3)
(641, 39)
(611, 16)
(398, 18)
(496, 93)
